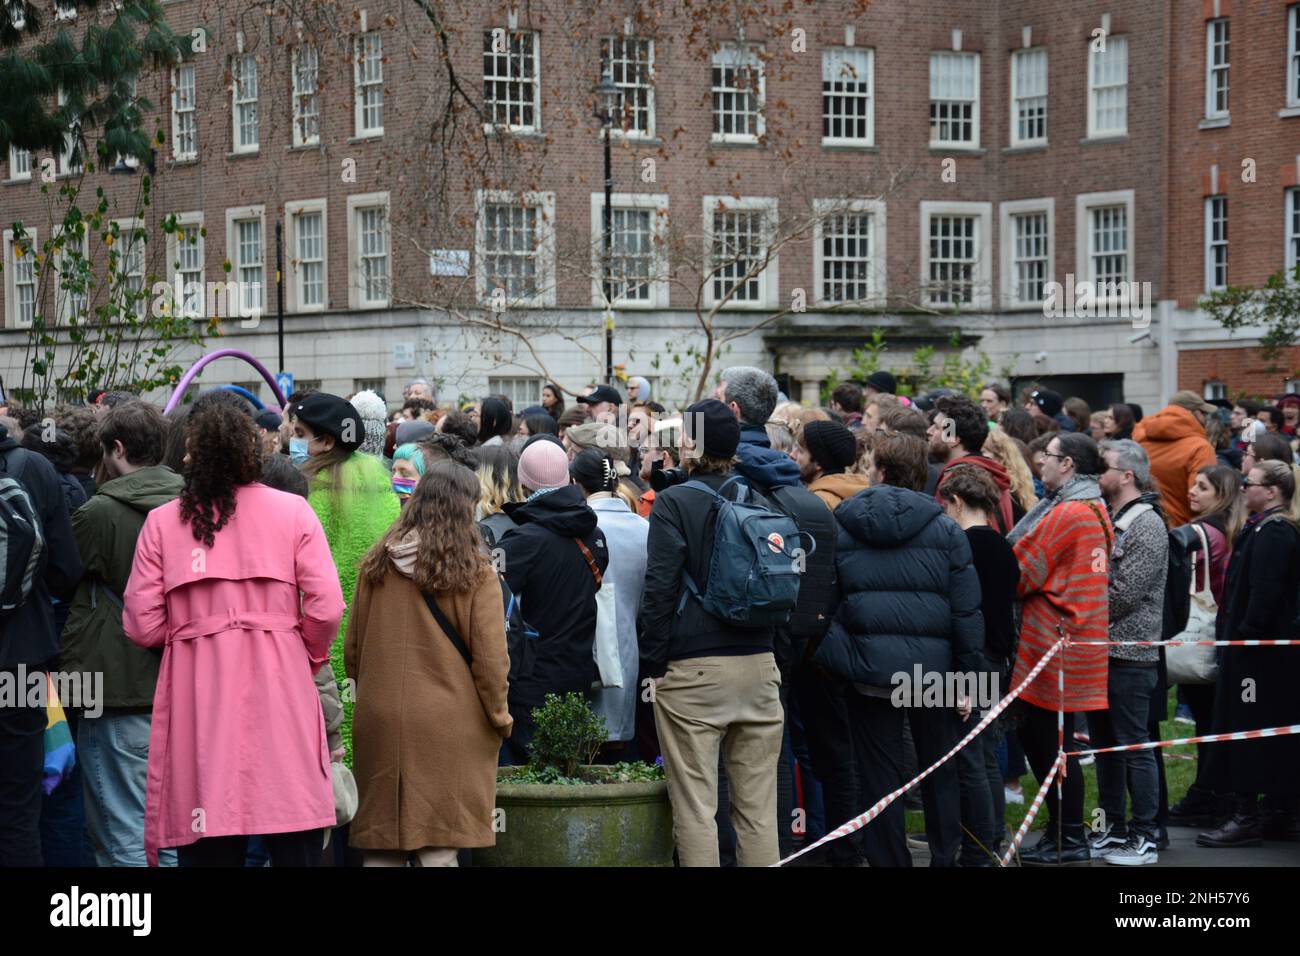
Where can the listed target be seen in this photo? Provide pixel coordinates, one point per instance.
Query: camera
(661, 477)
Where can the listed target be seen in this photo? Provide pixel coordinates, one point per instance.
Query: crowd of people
(240, 576)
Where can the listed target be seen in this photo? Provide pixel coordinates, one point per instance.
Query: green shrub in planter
(561, 811)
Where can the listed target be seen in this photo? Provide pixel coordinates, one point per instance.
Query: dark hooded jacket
(759, 465)
(909, 592)
(28, 635)
(106, 528)
(674, 625)
(546, 569)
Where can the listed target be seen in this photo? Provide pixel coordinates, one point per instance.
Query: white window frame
(1211, 244)
(973, 143)
(1291, 226)
(731, 54)
(535, 81)
(1215, 71)
(1007, 211)
(186, 220)
(62, 297)
(545, 202)
(237, 64)
(12, 321)
(294, 285)
(769, 280)
(648, 85)
(65, 166)
(657, 204)
(1094, 89)
(125, 240)
(510, 386)
(191, 111)
(235, 215)
(833, 64)
(360, 84)
(356, 286)
(878, 261)
(982, 274)
(1293, 57)
(16, 176)
(302, 96)
(1214, 388)
(1084, 203)
(1019, 59)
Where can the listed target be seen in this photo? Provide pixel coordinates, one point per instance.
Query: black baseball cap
(602, 393)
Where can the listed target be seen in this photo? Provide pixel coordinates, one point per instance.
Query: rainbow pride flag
(60, 754)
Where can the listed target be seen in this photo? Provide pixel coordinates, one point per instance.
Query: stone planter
(600, 824)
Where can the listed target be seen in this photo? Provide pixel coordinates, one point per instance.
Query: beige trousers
(425, 856)
(732, 705)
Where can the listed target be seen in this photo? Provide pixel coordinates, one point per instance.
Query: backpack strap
(591, 562)
(96, 586)
(452, 634)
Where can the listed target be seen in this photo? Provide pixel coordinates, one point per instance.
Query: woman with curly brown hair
(237, 745)
(426, 645)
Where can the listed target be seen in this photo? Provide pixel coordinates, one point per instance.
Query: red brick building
(922, 166)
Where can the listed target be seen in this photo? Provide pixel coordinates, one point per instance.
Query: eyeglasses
(1247, 483)
(1048, 454)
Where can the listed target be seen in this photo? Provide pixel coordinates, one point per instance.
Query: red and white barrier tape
(1031, 813)
(1207, 739)
(858, 822)
(1172, 642)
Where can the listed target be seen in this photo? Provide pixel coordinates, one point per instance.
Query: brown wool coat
(426, 732)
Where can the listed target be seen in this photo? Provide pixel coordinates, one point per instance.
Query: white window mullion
(1108, 88)
(368, 98)
(954, 99)
(185, 144)
(1216, 243)
(306, 101)
(630, 62)
(848, 103)
(1029, 97)
(1216, 68)
(243, 94)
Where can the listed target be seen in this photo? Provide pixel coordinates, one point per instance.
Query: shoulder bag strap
(452, 634)
(591, 562)
(1110, 543)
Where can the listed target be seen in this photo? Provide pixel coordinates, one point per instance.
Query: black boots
(1241, 829)
(1073, 848)
(1197, 809)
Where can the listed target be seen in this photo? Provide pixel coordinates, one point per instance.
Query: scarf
(1078, 488)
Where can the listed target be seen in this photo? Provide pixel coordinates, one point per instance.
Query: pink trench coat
(237, 744)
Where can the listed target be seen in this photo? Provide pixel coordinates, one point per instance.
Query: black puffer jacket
(28, 635)
(909, 593)
(546, 569)
(681, 538)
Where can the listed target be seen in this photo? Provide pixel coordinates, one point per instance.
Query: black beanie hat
(831, 445)
(1049, 401)
(332, 415)
(721, 430)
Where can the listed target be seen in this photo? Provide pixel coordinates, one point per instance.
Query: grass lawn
(1179, 775)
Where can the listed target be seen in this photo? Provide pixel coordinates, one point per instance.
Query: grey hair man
(419, 388)
(1139, 562)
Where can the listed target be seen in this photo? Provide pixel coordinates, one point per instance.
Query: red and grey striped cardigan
(1064, 562)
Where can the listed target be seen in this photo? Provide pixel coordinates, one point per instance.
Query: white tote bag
(1196, 663)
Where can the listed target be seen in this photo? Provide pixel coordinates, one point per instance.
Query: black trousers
(877, 727)
(1038, 738)
(22, 759)
(300, 848)
(1200, 698)
(820, 700)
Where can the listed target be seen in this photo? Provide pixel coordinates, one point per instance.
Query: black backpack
(817, 586)
(22, 543)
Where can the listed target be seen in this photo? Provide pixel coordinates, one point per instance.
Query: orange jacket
(1176, 444)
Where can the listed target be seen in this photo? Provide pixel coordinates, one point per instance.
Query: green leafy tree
(1275, 307)
(71, 90)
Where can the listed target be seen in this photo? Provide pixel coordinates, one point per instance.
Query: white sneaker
(1104, 841)
(1014, 796)
(1137, 850)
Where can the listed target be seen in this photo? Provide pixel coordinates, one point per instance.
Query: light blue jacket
(625, 535)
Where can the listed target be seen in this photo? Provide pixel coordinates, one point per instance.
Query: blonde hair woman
(1002, 448)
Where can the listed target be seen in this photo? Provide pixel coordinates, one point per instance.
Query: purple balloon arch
(212, 357)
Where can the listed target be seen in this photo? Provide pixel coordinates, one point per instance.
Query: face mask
(403, 486)
(298, 450)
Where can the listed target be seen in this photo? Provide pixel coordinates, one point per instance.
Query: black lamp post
(607, 103)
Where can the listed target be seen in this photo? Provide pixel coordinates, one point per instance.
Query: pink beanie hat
(544, 464)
